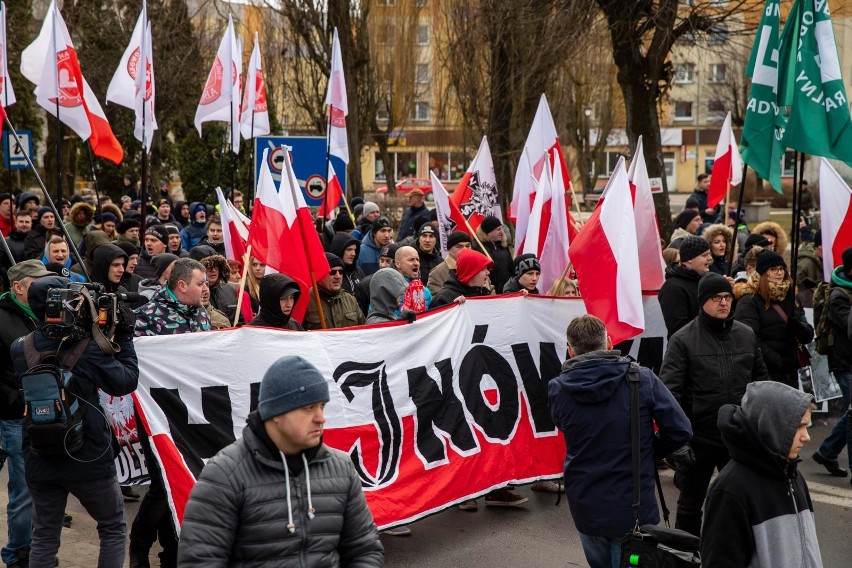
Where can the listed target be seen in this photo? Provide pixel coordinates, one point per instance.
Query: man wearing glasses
(339, 307)
(708, 363)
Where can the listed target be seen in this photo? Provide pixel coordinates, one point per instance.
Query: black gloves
(683, 459)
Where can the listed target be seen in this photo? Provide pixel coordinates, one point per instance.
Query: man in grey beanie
(240, 512)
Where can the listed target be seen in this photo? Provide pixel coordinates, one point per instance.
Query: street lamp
(588, 114)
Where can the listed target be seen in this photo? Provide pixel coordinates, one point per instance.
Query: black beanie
(712, 284)
(380, 223)
(685, 217)
(334, 261)
(457, 237)
(127, 224)
(490, 223)
(767, 259)
(847, 260)
(818, 238)
(162, 261)
(343, 222)
(389, 250)
(755, 240)
(159, 232)
(526, 262)
(693, 246)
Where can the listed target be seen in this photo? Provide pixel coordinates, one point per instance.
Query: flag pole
(240, 292)
(799, 173)
(574, 198)
(304, 242)
(94, 178)
(730, 253)
(144, 180)
(58, 122)
(233, 154)
(252, 155)
(327, 162)
(30, 163)
(474, 235)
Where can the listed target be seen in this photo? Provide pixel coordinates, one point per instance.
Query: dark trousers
(693, 486)
(102, 500)
(154, 519)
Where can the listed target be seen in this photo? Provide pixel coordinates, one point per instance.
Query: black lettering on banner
(352, 375)
(482, 360)
(130, 466)
(254, 396)
(438, 408)
(197, 442)
(650, 352)
(535, 383)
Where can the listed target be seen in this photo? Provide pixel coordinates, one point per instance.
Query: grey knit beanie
(290, 383)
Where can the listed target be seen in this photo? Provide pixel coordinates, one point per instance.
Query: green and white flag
(819, 121)
(760, 145)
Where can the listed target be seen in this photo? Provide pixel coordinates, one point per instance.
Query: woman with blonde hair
(770, 309)
(253, 277)
(564, 287)
(720, 238)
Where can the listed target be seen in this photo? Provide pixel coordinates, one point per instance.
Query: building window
(683, 110)
(420, 111)
(716, 110)
(422, 35)
(610, 161)
(448, 166)
(717, 35)
(404, 164)
(684, 73)
(789, 161)
(385, 2)
(421, 3)
(421, 73)
(382, 114)
(718, 73)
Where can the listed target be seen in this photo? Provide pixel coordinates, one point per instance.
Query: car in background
(403, 186)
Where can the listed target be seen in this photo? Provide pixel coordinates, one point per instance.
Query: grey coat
(237, 513)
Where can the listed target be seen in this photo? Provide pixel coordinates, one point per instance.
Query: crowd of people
(726, 398)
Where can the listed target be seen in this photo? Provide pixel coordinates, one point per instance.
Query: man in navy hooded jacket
(590, 403)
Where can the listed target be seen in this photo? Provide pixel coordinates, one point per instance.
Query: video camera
(85, 309)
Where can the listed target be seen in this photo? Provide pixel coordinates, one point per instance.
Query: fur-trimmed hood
(781, 240)
(115, 210)
(85, 207)
(713, 231)
(221, 263)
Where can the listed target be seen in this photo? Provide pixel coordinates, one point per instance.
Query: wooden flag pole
(474, 235)
(246, 264)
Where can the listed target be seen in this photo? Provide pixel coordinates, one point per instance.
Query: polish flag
(835, 199)
(235, 244)
(476, 194)
(540, 214)
(282, 234)
(220, 100)
(652, 266)
(333, 194)
(727, 165)
(554, 252)
(338, 107)
(135, 90)
(254, 113)
(542, 139)
(449, 217)
(7, 93)
(605, 256)
(50, 62)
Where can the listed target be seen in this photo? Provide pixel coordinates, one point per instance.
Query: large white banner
(432, 413)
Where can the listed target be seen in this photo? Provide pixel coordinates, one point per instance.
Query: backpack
(823, 330)
(54, 418)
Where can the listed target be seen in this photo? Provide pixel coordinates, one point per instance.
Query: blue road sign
(13, 154)
(308, 156)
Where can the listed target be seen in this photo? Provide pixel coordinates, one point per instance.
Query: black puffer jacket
(237, 513)
(679, 297)
(428, 261)
(708, 363)
(453, 289)
(14, 323)
(777, 338)
(502, 257)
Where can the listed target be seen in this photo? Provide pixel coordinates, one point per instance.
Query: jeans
(601, 551)
(102, 500)
(841, 434)
(19, 510)
(693, 486)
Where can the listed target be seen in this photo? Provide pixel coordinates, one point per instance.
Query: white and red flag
(220, 100)
(727, 165)
(835, 199)
(50, 62)
(605, 256)
(132, 89)
(652, 266)
(282, 233)
(235, 242)
(449, 217)
(333, 194)
(338, 107)
(539, 215)
(476, 194)
(553, 256)
(254, 113)
(7, 93)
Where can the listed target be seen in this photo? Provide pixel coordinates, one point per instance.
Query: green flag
(819, 121)
(764, 121)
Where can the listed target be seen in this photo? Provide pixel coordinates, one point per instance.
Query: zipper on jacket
(798, 519)
(303, 519)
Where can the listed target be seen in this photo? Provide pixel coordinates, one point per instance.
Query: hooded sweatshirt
(759, 511)
(103, 257)
(352, 273)
(93, 240)
(192, 234)
(272, 287)
(386, 289)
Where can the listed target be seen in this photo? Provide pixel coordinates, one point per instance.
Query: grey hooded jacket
(238, 512)
(386, 288)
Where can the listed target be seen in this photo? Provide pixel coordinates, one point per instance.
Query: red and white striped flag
(835, 199)
(7, 93)
(727, 165)
(338, 107)
(220, 100)
(554, 251)
(235, 244)
(652, 266)
(51, 63)
(333, 194)
(254, 113)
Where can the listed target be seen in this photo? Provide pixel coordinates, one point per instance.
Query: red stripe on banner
(843, 238)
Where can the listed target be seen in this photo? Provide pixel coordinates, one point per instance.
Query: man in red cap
(470, 279)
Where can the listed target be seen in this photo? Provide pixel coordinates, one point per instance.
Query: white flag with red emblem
(338, 108)
(605, 256)
(132, 89)
(235, 243)
(835, 199)
(652, 266)
(727, 165)
(476, 194)
(220, 100)
(50, 62)
(254, 114)
(7, 93)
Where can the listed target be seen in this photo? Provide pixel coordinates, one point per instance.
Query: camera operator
(89, 472)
